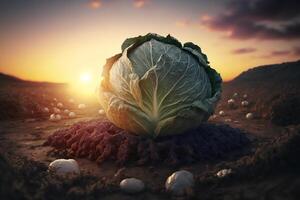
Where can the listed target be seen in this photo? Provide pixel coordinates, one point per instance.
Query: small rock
(235, 95)
(249, 116)
(64, 167)
(60, 105)
(245, 96)
(55, 117)
(81, 106)
(72, 114)
(46, 110)
(56, 110)
(180, 183)
(228, 120)
(245, 103)
(224, 172)
(132, 185)
(231, 102)
(66, 111)
(54, 99)
(101, 112)
(222, 113)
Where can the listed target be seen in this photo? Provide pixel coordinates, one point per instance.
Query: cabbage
(158, 87)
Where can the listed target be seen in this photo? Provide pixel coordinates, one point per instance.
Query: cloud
(280, 53)
(243, 50)
(260, 19)
(139, 3)
(277, 53)
(95, 4)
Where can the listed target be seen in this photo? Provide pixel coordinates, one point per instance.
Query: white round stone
(101, 112)
(81, 106)
(60, 105)
(231, 101)
(224, 172)
(221, 113)
(64, 167)
(245, 103)
(46, 110)
(132, 185)
(180, 182)
(52, 117)
(56, 110)
(249, 116)
(58, 117)
(228, 120)
(66, 111)
(55, 117)
(72, 114)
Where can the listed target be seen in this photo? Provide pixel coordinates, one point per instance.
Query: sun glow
(86, 77)
(86, 85)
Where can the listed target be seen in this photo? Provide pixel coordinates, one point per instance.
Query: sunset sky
(69, 40)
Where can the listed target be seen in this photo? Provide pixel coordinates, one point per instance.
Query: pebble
(224, 172)
(72, 114)
(56, 110)
(235, 94)
(180, 183)
(101, 112)
(64, 167)
(245, 96)
(81, 106)
(60, 105)
(249, 116)
(132, 185)
(228, 120)
(46, 110)
(221, 113)
(66, 111)
(55, 117)
(231, 101)
(245, 103)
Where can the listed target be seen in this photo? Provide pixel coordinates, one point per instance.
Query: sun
(85, 77)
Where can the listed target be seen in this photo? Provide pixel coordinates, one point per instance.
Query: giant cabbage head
(158, 87)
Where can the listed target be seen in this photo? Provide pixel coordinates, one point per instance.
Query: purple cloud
(260, 19)
(243, 50)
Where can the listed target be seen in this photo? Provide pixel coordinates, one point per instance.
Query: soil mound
(102, 141)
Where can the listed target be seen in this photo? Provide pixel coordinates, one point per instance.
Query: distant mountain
(6, 79)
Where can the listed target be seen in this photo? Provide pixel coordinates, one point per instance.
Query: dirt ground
(24, 160)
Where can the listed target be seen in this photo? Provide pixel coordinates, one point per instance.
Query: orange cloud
(139, 3)
(95, 4)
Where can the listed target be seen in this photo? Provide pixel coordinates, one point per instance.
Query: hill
(274, 91)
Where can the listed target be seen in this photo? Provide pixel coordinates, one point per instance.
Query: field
(266, 168)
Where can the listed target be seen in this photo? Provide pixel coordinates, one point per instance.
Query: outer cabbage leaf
(156, 87)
